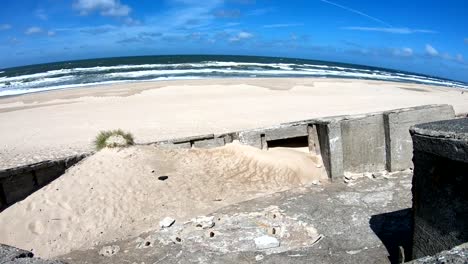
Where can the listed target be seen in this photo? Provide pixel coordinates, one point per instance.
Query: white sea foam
(16, 91)
(65, 78)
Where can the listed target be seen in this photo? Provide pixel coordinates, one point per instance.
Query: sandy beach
(119, 193)
(54, 124)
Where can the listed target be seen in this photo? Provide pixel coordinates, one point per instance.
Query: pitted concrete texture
(333, 223)
(399, 144)
(440, 200)
(457, 255)
(12, 255)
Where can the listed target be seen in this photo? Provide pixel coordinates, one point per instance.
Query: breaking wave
(14, 81)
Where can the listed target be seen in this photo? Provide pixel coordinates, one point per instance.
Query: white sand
(116, 194)
(59, 123)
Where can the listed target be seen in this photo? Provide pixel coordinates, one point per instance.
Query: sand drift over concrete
(57, 124)
(121, 193)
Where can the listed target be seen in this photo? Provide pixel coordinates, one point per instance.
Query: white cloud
(446, 56)
(391, 30)
(104, 7)
(33, 30)
(260, 11)
(404, 52)
(240, 36)
(459, 58)
(5, 27)
(431, 50)
(50, 33)
(466, 41)
(283, 25)
(41, 14)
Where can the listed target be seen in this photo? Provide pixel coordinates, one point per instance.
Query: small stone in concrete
(266, 242)
(166, 222)
(204, 222)
(259, 257)
(109, 251)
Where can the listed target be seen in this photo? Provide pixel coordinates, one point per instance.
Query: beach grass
(102, 139)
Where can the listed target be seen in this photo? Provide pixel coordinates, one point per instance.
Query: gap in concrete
(299, 143)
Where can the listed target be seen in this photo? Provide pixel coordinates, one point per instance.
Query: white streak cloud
(33, 30)
(241, 36)
(104, 7)
(391, 30)
(357, 12)
(283, 25)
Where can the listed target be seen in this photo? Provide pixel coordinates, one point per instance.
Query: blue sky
(425, 36)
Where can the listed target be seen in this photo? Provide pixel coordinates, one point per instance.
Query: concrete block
(283, 132)
(209, 143)
(314, 144)
(399, 145)
(440, 199)
(191, 138)
(252, 138)
(18, 187)
(330, 141)
(46, 175)
(364, 143)
(171, 145)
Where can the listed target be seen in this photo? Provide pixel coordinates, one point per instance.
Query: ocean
(69, 74)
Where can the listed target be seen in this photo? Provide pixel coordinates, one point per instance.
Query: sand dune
(116, 194)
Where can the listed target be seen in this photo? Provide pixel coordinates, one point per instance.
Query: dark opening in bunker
(295, 142)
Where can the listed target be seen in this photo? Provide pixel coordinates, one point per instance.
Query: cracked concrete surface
(363, 222)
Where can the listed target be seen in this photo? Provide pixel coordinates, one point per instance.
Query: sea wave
(9, 92)
(89, 76)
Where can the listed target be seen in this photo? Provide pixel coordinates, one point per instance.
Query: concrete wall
(17, 183)
(356, 144)
(374, 141)
(397, 122)
(440, 181)
(363, 139)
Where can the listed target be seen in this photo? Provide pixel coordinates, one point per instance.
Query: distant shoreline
(110, 84)
(74, 74)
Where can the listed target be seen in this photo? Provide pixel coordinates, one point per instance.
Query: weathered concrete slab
(444, 138)
(363, 139)
(331, 148)
(440, 200)
(252, 138)
(191, 138)
(46, 175)
(283, 132)
(12, 255)
(456, 255)
(361, 224)
(18, 187)
(170, 145)
(313, 139)
(397, 123)
(209, 143)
